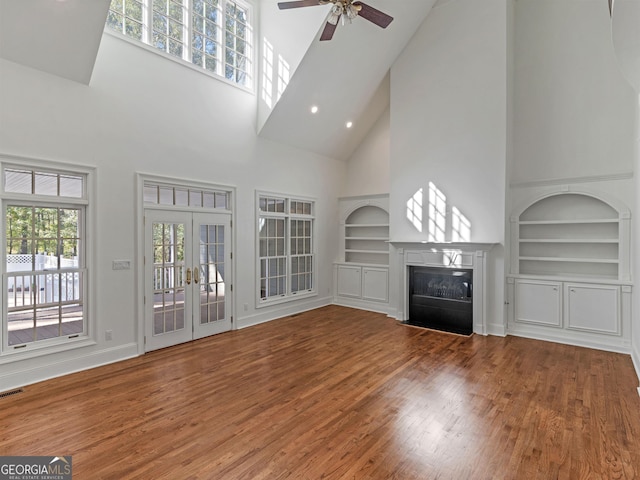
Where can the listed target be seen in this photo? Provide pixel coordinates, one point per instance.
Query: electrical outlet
(246, 307)
(108, 335)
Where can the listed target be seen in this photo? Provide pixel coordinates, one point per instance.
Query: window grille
(44, 268)
(157, 194)
(285, 248)
(216, 35)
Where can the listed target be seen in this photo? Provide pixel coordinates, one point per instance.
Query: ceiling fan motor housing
(345, 9)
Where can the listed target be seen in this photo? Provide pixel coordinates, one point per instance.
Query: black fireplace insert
(441, 298)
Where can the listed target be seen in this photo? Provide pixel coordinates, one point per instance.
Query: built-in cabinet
(362, 282)
(587, 307)
(361, 274)
(538, 302)
(570, 270)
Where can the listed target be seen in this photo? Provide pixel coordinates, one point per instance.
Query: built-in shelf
(569, 240)
(380, 252)
(569, 221)
(571, 260)
(562, 277)
(569, 234)
(361, 274)
(383, 239)
(366, 236)
(366, 225)
(570, 268)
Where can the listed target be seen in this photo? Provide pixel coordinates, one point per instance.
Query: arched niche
(366, 235)
(571, 234)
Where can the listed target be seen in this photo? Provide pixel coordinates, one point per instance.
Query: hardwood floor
(341, 394)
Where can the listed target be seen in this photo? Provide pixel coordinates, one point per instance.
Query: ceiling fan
(345, 9)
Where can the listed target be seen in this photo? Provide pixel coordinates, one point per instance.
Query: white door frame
(140, 178)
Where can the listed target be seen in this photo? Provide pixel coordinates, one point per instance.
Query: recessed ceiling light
(314, 109)
(349, 124)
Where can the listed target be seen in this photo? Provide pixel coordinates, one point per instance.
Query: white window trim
(288, 297)
(88, 201)
(251, 85)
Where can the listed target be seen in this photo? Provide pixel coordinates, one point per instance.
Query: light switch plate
(121, 265)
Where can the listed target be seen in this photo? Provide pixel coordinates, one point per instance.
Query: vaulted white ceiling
(60, 37)
(347, 77)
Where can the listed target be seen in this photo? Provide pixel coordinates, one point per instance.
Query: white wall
(574, 113)
(448, 116)
(278, 27)
(635, 308)
(144, 113)
(626, 42)
(448, 125)
(368, 169)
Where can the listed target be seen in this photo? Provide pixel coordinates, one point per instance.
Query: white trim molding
(455, 255)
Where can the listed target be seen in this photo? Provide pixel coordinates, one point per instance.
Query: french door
(187, 276)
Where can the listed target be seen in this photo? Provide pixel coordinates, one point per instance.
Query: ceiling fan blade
(298, 4)
(327, 33)
(373, 15)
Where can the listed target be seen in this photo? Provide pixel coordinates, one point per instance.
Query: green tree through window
(214, 34)
(44, 265)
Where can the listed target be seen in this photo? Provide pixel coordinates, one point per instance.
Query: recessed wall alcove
(570, 278)
(361, 273)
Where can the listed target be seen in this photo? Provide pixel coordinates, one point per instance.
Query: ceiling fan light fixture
(336, 13)
(346, 10)
(352, 11)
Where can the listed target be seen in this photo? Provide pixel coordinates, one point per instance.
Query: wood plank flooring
(339, 393)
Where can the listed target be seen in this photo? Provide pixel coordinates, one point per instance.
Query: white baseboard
(497, 329)
(45, 369)
(362, 304)
(282, 310)
(619, 346)
(635, 358)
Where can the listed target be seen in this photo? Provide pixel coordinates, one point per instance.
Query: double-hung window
(286, 259)
(214, 34)
(44, 271)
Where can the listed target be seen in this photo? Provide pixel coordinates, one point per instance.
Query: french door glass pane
(212, 281)
(168, 277)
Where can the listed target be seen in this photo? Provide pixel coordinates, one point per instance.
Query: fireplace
(467, 257)
(441, 298)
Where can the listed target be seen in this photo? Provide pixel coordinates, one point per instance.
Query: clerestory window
(214, 34)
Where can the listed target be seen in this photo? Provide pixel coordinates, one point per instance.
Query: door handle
(196, 274)
(188, 276)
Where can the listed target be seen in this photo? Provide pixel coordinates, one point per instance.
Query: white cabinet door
(375, 284)
(594, 308)
(349, 281)
(538, 302)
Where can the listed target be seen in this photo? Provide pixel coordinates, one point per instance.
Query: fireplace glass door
(441, 298)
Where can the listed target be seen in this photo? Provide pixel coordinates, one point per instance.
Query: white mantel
(444, 254)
